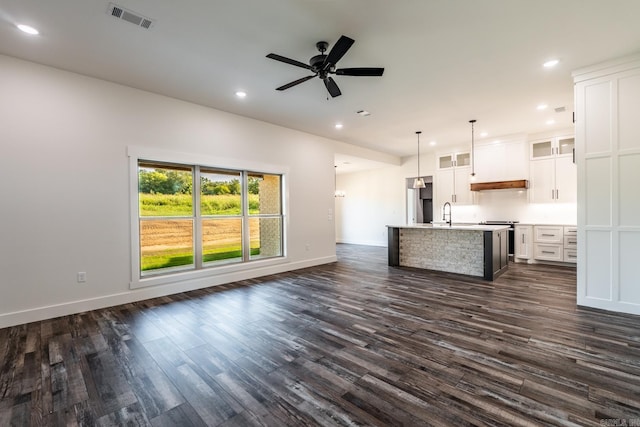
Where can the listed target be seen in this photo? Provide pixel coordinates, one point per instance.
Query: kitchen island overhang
(473, 250)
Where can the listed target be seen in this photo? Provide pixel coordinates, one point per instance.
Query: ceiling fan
(323, 65)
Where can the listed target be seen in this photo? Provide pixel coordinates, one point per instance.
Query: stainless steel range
(512, 226)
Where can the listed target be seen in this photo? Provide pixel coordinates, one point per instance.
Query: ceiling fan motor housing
(316, 62)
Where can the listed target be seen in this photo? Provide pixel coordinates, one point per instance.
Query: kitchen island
(474, 250)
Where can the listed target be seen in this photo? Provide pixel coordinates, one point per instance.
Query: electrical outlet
(307, 247)
(82, 276)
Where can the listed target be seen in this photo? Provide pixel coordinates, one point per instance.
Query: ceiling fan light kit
(323, 66)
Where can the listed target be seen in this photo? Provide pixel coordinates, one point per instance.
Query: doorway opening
(420, 201)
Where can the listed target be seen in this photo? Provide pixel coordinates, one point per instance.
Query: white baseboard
(612, 306)
(79, 306)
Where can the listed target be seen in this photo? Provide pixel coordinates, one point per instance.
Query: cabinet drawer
(570, 255)
(548, 252)
(570, 231)
(548, 234)
(570, 242)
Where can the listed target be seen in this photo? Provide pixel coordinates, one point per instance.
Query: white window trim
(137, 153)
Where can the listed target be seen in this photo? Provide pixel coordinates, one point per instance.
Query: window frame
(138, 154)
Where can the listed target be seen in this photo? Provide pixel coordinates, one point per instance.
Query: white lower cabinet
(548, 252)
(548, 234)
(556, 243)
(523, 242)
(571, 255)
(570, 244)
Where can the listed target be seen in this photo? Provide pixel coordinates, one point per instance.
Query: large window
(194, 217)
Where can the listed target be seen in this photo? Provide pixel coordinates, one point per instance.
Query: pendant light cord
(473, 153)
(418, 133)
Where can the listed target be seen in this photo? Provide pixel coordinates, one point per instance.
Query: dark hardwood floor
(350, 343)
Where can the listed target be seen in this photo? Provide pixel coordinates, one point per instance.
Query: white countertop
(470, 227)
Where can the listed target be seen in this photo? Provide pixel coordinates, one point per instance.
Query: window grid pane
(221, 240)
(166, 245)
(220, 192)
(265, 194)
(165, 190)
(266, 237)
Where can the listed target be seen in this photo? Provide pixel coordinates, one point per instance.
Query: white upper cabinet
(502, 161)
(452, 160)
(553, 177)
(553, 147)
(452, 178)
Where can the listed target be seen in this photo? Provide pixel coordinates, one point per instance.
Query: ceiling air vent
(129, 16)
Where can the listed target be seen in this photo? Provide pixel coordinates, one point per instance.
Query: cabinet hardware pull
(552, 194)
(548, 235)
(523, 238)
(548, 252)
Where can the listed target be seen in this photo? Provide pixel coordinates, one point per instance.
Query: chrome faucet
(444, 213)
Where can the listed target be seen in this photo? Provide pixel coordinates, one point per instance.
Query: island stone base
(455, 252)
(479, 251)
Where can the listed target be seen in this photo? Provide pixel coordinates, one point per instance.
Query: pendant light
(473, 154)
(418, 182)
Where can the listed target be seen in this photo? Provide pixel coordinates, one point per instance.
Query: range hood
(501, 185)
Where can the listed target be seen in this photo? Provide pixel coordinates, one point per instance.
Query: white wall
(64, 182)
(374, 199)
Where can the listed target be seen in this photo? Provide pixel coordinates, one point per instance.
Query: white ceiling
(446, 61)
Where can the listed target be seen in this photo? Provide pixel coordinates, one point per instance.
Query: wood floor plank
(183, 415)
(350, 343)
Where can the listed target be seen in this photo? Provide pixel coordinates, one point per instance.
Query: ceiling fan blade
(297, 82)
(288, 61)
(338, 50)
(332, 87)
(373, 72)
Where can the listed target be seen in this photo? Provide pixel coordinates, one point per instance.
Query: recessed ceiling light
(338, 125)
(363, 113)
(28, 29)
(541, 107)
(241, 94)
(432, 143)
(551, 63)
(484, 134)
(550, 122)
